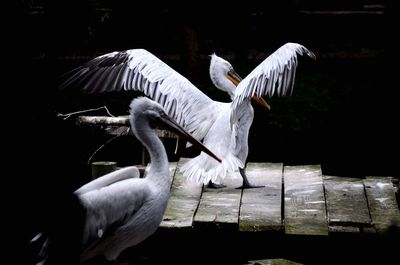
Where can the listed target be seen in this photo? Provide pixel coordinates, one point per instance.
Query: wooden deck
(300, 217)
(296, 200)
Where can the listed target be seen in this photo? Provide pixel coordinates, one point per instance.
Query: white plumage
(223, 127)
(121, 209)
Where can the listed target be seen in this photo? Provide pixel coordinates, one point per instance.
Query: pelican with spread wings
(223, 127)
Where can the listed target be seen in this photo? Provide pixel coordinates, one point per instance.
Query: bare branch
(102, 146)
(68, 115)
(121, 121)
(103, 120)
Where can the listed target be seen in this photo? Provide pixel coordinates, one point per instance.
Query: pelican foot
(212, 185)
(246, 184)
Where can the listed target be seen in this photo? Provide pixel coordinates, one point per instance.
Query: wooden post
(101, 168)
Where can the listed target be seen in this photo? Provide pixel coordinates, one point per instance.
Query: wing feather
(276, 74)
(140, 70)
(121, 199)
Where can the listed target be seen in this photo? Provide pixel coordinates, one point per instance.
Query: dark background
(342, 115)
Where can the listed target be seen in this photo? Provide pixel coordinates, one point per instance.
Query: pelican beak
(261, 102)
(169, 124)
(233, 77)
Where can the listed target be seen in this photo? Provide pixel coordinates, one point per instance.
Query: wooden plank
(219, 208)
(272, 262)
(346, 202)
(382, 203)
(305, 212)
(343, 229)
(183, 202)
(260, 209)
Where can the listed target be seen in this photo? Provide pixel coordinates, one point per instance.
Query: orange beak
(261, 102)
(235, 79)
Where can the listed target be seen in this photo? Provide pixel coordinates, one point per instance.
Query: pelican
(122, 209)
(222, 126)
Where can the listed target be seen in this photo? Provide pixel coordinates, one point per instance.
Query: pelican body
(122, 209)
(224, 127)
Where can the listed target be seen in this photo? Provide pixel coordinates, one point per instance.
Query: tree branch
(120, 121)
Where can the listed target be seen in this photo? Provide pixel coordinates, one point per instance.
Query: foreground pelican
(222, 126)
(121, 209)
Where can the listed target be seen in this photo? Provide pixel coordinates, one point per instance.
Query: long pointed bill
(171, 125)
(234, 77)
(261, 102)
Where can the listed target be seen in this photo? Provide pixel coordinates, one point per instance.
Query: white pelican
(121, 209)
(222, 126)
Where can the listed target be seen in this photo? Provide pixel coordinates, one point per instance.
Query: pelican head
(223, 75)
(147, 114)
(225, 78)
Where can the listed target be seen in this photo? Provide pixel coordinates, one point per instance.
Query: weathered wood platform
(300, 217)
(296, 200)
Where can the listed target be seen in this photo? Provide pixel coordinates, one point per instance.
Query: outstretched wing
(140, 70)
(276, 74)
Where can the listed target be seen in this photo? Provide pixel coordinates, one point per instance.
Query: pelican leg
(246, 184)
(213, 185)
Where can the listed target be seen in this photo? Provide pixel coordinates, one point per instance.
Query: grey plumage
(120, 208)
